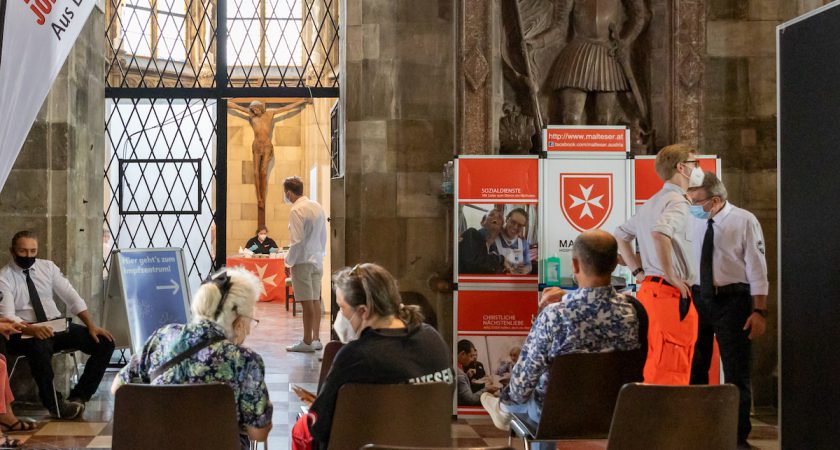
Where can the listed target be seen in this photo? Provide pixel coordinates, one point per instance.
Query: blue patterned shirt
(222, 362)
(589, 320)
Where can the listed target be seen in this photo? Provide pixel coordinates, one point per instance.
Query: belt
(730, 289)
(659, 280)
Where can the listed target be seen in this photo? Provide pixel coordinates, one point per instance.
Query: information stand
(147, 288)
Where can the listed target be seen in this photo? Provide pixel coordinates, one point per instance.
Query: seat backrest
(330, 349)
(675, 418)
(398, 447)
(392, 414)
(582, 391)
(175, 417)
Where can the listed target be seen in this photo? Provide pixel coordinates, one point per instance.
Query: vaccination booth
(586, 179)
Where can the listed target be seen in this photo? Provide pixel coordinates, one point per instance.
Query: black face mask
(24, 262)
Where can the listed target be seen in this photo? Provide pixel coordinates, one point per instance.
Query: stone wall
(739, 124)
(398, 106)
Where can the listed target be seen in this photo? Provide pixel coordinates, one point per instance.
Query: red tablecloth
(271, 272)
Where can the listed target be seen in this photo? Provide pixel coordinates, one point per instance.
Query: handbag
(301, 437)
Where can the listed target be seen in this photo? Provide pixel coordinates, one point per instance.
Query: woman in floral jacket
(223, 313)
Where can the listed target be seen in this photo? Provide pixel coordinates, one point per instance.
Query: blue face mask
(698, 212)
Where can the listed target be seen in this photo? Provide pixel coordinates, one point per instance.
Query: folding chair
(581, 395)
(405, 414)
(675, 418)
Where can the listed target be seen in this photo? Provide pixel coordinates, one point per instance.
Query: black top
(474, 256)
(386, 356)
(262, 247)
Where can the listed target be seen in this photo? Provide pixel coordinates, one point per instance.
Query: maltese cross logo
(586, 199)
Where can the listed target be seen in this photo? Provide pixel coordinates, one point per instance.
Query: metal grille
(267, 43)
(165, 202)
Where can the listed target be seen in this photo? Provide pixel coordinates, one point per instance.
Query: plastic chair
(71, 352)
(581, 395)
(330, 351)
(167, 417)
(406, 414)
(675, 418)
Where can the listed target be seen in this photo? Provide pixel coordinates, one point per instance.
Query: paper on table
(58, 325)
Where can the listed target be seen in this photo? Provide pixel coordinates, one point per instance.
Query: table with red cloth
(270, 271)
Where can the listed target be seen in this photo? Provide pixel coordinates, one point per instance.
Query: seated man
(29, 287)
(477, 250)
(595, 318)
(467, 355)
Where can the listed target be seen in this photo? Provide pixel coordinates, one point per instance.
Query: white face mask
(696, 178)
(262, 237)
(344, 328)
(286, 199)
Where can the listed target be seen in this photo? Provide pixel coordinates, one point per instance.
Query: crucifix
(262, 121)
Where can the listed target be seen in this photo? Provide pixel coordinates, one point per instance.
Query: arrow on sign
(174, 286)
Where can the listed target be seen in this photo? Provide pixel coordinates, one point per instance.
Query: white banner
(35, 38)
(580, 195)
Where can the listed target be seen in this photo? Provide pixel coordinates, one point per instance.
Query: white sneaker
(316, 344)
(492, 404)
(301, 346)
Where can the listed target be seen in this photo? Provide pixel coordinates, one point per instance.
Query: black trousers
(39, 353)
(724, 317)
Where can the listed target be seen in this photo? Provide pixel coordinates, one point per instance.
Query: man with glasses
(512, 245)
(661, 228)
(730, 291)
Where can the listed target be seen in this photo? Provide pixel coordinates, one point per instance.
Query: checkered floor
(276, 330)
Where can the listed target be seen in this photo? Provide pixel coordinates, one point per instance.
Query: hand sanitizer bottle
(552, 270)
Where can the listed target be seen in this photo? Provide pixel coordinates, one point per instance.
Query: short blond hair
(668, 158)
(243, 291)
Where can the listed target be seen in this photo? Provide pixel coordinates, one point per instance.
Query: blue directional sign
(154, 290)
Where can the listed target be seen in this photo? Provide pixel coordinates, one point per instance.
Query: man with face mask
(730, 290)
(308, 246)
(29, 287)
(660, 227)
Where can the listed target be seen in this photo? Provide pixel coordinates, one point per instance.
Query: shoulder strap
(184, 355)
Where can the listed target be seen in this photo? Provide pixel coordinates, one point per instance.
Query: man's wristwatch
(637, 271)
(763, 312)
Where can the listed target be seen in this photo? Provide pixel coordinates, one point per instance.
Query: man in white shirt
(660, 227)
(29, 287)
(729, 291)
(308, 236)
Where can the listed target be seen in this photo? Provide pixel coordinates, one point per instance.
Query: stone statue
(262, 121)
(595, 60)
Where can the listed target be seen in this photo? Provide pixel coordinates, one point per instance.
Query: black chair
(675, 418)
(175, 417)
(581, 396)
(66, 352)
(404, 414)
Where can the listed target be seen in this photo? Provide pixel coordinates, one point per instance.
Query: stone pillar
(398, 108)
(56, 185)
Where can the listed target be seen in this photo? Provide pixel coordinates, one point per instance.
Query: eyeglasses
(254, 322)
(692, 161)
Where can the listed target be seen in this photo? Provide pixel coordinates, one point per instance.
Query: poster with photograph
(490, 329)
(496, 219)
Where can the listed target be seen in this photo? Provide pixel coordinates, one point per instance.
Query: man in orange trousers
(661, 227)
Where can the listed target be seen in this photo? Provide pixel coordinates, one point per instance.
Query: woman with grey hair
(209, 350)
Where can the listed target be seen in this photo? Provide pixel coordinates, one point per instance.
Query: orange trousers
(670, 340)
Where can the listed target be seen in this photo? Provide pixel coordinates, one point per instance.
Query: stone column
(398, 108)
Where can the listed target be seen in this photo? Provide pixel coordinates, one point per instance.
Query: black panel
(809, 160)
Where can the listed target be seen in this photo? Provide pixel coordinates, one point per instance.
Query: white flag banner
(35, 38)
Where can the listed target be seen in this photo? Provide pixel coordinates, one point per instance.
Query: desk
(270, 271)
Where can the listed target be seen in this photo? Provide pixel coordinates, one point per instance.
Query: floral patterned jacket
(222, 362)
(589, 320)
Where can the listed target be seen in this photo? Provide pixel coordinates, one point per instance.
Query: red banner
(498, 180)
(588, 139)
(496, 311)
